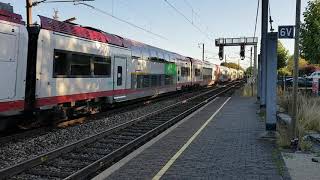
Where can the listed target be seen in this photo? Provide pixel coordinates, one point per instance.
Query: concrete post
(264, 32)
(259, 79)
(255, 62)
(271, 91)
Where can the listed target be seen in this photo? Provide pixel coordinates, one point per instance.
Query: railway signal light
(221, 49)
(242, 51)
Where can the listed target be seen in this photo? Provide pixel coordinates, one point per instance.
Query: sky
(214, 18)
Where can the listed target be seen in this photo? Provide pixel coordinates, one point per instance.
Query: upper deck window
(73, 64)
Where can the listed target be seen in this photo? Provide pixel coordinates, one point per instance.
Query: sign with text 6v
(286, 32)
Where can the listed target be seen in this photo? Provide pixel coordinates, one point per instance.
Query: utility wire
(255, 26)
(196, 14)
(122, 20)
(187, 19)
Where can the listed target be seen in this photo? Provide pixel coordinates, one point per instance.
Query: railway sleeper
(74, 164)
(101, 145)
(30, 176)
(132, 133)
(99, 151)
(80, 157)
(49, 171)
(114, 143)
(122, 136)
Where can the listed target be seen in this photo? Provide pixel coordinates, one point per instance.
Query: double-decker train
(64, 68)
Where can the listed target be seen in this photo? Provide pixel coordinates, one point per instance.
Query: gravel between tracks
(12, 153)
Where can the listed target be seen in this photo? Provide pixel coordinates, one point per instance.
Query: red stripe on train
(77, 97)
(11, 105)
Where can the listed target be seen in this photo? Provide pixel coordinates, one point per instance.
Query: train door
(179, 74)
(8, 60)
(119, 74)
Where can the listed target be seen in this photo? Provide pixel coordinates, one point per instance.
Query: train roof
(104, 37)
(11, 17)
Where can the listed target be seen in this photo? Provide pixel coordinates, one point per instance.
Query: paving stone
(228, 148)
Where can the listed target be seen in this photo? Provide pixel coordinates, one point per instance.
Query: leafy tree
(310, 32)
(284, 72)
(307, 70)
(232, 65)
(283, 55)
(249, 70)
(302, 63)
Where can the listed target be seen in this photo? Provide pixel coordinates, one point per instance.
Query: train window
(80, 65)
(145, 53)
(197, 72)
(154, 80)
(146, 81)
(185, 71)
(207, 73)
(168, 80)
(139, 81)
(102, 66)
(153, 53)
(61, 65)
(136, 53)
(72, 64)
(119, 76)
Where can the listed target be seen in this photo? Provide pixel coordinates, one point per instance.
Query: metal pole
(255, 62)
(251, 73)
(264, 32)
(202, 51)
(225, 58)
(29, 12)
(296, 68)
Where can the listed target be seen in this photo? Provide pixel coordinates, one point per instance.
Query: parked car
(315, 74)
(302, 82)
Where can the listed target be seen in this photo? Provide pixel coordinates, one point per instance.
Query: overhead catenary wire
(196, 14)
(121, 20)
(187, 19)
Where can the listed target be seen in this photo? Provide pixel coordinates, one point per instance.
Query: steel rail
(106, 160)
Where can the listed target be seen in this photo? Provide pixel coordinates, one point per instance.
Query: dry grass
(308, 117)
(249, 90)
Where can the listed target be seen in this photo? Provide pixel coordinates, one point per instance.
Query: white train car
(209, 71)
(224, 74)
(71, 68)
(183, 71)
(233, 73)
(64, 68)
(153, 71)
(13, 63)
(240, 74)
(196, 72)
(216, 73)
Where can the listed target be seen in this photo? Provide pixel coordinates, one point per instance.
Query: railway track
(85, 157)
(18, 134)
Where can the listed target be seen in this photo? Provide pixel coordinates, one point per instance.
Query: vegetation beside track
(308, 118)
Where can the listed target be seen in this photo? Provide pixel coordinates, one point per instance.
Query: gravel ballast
(12, 153)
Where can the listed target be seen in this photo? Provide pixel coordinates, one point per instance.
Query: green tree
(302, 63)
(284, 72)
(249, 70)
(283, 55)
(310, 32)
(231, 65)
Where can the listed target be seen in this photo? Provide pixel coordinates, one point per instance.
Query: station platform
(219, 141)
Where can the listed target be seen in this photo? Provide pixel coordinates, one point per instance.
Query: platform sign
(286, 32)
